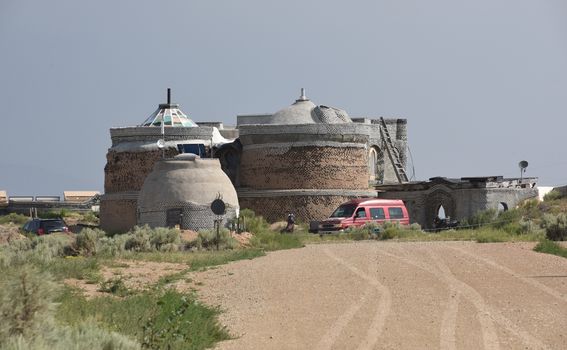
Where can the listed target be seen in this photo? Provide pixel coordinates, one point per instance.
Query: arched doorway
(502, 206)
(376, 165)
(439, 202)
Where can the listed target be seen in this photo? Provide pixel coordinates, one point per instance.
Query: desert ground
(391, 295)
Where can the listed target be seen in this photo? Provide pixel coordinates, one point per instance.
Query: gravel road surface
(389, 295)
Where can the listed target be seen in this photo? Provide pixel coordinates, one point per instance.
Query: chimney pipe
(168, 96)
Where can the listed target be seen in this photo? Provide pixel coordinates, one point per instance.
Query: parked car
(358, 212)
(45, 226)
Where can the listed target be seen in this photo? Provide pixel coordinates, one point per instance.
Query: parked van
(357, 212)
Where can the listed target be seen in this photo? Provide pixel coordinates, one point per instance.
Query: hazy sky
(482, 83)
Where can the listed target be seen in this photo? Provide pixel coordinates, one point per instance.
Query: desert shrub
(530, 209)
(139, 239)
(253, 223)
(90, 218)
(481, 218)
(169, 247)
(146, 239)
(555, 226)
(115, 286)
(27, 310)
(268, 241)
(549, 247)
(13, 218)
(161, 236)
(157, 319)
(415, 227)
(389, 230)
(25, 302)
(86, 242)
(54, 214)
(207, 239)
(111, 246)
(552, 195)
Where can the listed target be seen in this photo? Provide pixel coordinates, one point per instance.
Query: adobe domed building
(134, 152)
(308, 159)
(305, 158)
(180, 190)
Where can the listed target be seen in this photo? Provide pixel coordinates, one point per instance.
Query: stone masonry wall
(118, 215)
(273, 167)
(305, 208)
(126, 171)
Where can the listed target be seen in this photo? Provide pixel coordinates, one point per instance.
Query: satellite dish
(160, 143)
(523, 164)
(218, 207)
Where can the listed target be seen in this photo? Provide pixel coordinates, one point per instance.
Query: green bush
(552, 195)
(268, 241)
(16, 219)
(114, 286)
(25, 302)
(253, 223)
(161, 236)
(550, 247)
(555, 226)
(207, 239)
(86, 242)
(156, 319)
(481, 218)
(139, 240)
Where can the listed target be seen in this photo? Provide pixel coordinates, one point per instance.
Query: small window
(396, 213)
(360, 213)
(377, 213)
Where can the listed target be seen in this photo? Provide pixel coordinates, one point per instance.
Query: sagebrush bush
(481, 218)
(207, 239)
(13, 218)
(25, 302)
(555, 226)
(415, 227)
(253, 223)
(87, 242)
(161, 236)
(552, 195)
(138, 240)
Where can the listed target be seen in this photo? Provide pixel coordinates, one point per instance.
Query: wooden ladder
(393, 153)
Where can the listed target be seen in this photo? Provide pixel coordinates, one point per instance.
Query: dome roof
(186, 179)
(303, 111)
(170, 114)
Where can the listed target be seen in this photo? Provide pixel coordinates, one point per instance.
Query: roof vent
(302, 97)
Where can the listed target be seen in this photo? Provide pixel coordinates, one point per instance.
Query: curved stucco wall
(189, 184)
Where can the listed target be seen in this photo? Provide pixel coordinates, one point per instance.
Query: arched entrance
(376, 165)
(439, 202)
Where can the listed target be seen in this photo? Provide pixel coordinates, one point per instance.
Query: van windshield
(344, 211)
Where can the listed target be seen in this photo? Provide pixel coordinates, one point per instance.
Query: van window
(360, 213)
(377, 213)
(344, 211)
(396, 213)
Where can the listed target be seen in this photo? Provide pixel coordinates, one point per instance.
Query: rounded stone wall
(307, 169)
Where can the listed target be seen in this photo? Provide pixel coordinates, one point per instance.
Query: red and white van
(358, 212)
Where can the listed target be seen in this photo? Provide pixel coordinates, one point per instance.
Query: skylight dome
(170, 114)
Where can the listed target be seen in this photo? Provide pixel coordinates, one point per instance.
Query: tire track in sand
(449, 319)
(526, 337)
(511, 272)
(448, 339)
(383, 310)
(489, 335)
(330, 337)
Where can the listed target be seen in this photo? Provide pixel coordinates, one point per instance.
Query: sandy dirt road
(388, 295)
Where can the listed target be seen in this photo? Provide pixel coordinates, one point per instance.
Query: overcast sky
(482, 83)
